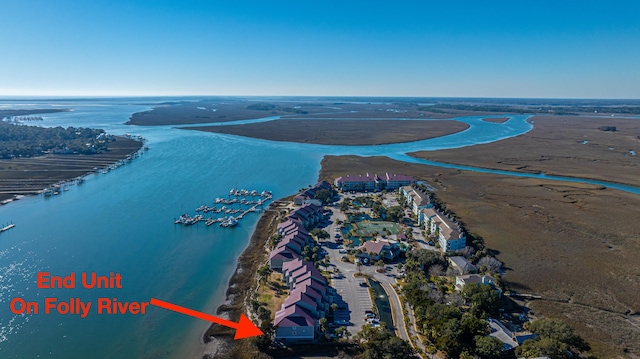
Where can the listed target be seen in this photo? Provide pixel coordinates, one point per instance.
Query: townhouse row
(310, 295)
(372, 182)
(449, 233)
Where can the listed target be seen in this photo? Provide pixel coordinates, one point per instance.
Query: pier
(242, 198)
(7, 227)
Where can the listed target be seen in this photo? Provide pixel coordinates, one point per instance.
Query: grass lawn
(274, 292)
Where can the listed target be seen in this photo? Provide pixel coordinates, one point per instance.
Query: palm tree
(323, 324)
(264, 272)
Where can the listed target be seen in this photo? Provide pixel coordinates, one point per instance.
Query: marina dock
(7, 227)
(246, 201)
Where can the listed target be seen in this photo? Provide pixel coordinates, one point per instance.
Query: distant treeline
(555, 110)
(9, 113)
(29, 141)
(271, 107)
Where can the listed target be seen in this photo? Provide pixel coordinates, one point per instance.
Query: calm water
(123, 222)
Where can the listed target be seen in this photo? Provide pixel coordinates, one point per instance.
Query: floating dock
(6, 228)
(242, 198)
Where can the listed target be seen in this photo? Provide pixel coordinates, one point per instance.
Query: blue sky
(585, 49)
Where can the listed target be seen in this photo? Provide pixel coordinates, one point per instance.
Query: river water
(122, 222)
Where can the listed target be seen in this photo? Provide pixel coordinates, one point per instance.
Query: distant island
(342, 132)
(35, 159)
(225, 109)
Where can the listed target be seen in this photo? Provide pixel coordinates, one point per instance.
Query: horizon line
(2, 97)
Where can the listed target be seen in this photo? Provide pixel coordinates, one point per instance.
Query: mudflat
(575, 245)
(496, 119)
(342, 132)
(600, 148)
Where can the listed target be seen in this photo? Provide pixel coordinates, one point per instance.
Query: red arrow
(244, 328)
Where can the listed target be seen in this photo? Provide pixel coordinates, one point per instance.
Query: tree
(489, 264)
(381, 344)
(323, 324)
(323, 195)
(467, 251)
(488, 347)
(319, 233)
(426, 258)
(378, 209)
(274, 240)
(483, 298)
(264, 314)
(436, 270)
(380, 264)
(263, 342)
(556, 339)
(326, 262)
(359, 266)
(395, 213)
(264, 272)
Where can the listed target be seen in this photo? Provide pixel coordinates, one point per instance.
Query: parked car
(342, 251)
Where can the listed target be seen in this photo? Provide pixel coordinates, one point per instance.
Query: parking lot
(355, 301)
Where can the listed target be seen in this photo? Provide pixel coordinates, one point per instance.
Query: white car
(342, 251)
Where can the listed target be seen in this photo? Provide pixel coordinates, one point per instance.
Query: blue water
(123, 222)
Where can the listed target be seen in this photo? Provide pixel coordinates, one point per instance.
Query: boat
(183, 219)
(210, 221)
